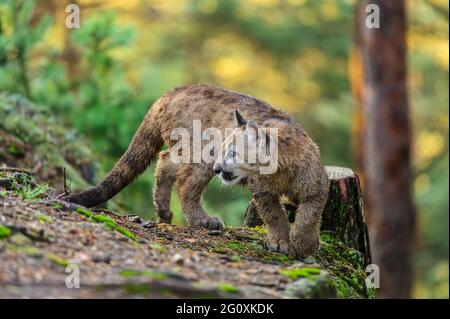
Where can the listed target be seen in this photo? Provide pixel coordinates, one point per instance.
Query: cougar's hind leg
(190, 183)
(164, 179)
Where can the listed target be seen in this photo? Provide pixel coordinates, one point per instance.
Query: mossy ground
(242, 249)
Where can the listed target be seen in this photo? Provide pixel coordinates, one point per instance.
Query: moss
(4, 231)
(226, 287)
(253, 248)
(346, 266)
(44, 218)
(261, 230)
(304, 272)
(108, 221)
(56, 205)
(131, 273)
(137, 289)
(57, 260)
(319, 286)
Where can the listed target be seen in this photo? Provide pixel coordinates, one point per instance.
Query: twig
(66, 191)
(64, 177)
(16, 169)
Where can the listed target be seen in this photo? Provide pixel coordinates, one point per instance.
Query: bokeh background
(295, 54)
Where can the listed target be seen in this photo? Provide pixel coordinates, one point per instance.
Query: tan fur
(300, 175)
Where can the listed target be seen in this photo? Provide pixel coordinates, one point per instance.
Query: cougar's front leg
(305, 232)
(190, 182)
(276, 220)
(164, 179)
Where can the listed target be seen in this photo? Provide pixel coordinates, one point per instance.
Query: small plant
(4, 231)
(29, 192)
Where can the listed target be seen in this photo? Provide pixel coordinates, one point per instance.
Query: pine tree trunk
(384, 144)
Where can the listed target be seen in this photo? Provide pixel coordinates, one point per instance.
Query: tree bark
(385, 144)
(343, 214)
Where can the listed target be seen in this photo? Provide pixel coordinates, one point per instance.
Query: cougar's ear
(238, 119)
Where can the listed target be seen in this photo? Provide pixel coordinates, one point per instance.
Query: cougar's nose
(217, 169)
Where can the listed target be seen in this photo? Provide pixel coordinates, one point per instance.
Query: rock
(148, 224)
(178, 259)
(135, 219)
(309, 260)
(20, 239)
(321, 286)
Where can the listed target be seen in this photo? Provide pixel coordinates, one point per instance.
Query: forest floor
(43, 239)
(148, 259)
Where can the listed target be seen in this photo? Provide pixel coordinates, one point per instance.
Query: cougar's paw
(165, 218)
(280, 246)
(306, 246)
(211, 222)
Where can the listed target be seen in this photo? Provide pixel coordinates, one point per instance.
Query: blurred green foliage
(103, 77)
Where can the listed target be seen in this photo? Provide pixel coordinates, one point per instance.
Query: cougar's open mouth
(228, 176)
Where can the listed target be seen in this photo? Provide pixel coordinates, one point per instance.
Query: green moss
(137, 289)
(56, 259)
(226, 287)
(56, 205)
(131, 273)
(44, 218)
(108, 221)
(346, 266)
(4, 231)
(305, 272)
(253, 248)
(261, 230)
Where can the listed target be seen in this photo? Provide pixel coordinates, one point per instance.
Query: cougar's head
(243, 152)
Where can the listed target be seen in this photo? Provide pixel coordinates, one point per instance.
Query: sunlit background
(295, 54)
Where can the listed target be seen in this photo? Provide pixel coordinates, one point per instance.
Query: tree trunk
(385, 144)
(343, 214)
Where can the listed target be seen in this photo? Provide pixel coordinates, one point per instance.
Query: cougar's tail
(146, 143)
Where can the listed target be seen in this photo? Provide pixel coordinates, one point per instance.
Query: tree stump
(343, 215)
